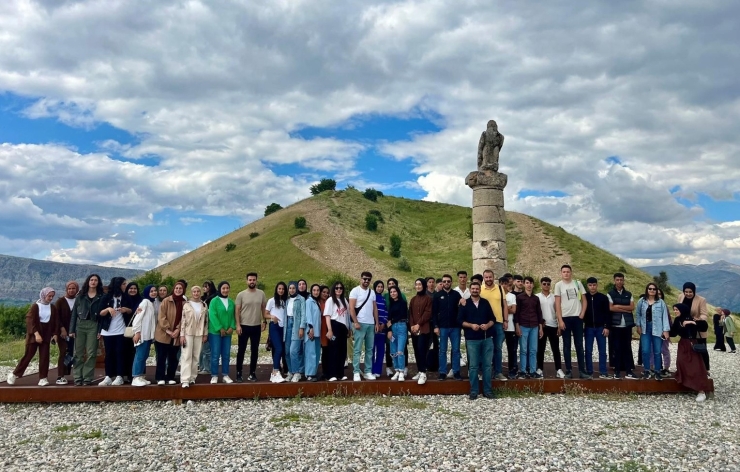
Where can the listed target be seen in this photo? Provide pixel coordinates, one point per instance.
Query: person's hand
(475, 327)
(98, 337)
(436, 331)
(329, 335)
(542, 333)
(264, 325)
(463, 302)
(639, 331)
(560, 333)
(666, 334)
(182, 341)
(300, 333)
(205, 337)
(561, 326)
(229, 331)
(581, 316)
(175, 333)
(64, 333)
(138, 310)
(274, 319)
(310, 334)
(38, 338)
(605, 333)
(390, 335)
(377, 328)
(239, 330)
(356, 325)
(72, 335)
(518, 331)
(223, 332)
(137, 338)
(415, 329)
(506, 324)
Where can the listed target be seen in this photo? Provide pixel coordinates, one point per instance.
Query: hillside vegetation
(435, 240)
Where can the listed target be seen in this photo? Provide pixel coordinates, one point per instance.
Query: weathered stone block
(488, 196)
(498, 266)
(486, 179)
(489, 250)
(489, 232)
(489, 214)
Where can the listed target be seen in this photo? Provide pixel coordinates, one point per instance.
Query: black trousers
(252, 335)
(622, 340)
(730, 342)
(512, 344)
(551, 335)
(704, 355)
(421, 347)
(337, 351)
(114, 355)
(166, 360)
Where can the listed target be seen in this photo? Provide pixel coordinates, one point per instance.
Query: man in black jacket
(597, 321)
(476, 317)
(621, 304)
(444, 320)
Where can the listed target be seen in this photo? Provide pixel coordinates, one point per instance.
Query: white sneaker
(369, 376)
(395, 376)
(346, 362)
(422, 379)
(406, 371)
(356, 378)
(106, 381)
(43, 382)
(148, 382)
(701, 397)
(227, 379)
(177, 374)
(171, 382)
(416, 377)
(11, 379)
(333, 379)
(214, 380)
(139, 382)
(275, 377)
(388, 371)
(162, 382)
(118, 381)
(296, 378)
(560, 374)
(539, 371)
(185, 385)
(345, 377)
(61, 381)
(450, 374)
(462, 362)
(401, 377)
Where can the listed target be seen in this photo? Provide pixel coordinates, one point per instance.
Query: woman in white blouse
(193, 333)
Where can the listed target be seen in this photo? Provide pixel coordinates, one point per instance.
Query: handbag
(701, 348)
(129, 331)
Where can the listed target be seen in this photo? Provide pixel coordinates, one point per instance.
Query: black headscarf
(219, 288)
(686, 300)
(305, 294)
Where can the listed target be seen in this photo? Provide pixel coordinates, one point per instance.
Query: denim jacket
(660, 317)
(299, 316)
(313, 318)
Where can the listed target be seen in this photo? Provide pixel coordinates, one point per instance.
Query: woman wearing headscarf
(312, 334)
(690, 369)
(83, 327)
(111, 326)
(303, 289)
(131, 301)
(64, 307)
(144, 324)
(380, 337)
(728, 329)
(167, 335)
(221, 324)
(42, 326)
(193, 332)
(204, 362)
(719, 337)
(698, 307)
(420, 314)
(294, 332)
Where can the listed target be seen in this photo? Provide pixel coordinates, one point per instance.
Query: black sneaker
(646, 375)
(630, 376)
(87, 383)
(490, 396)
(239, 377)
(658, 377)
(536, 376)
(252, 377)
(585, 376)
(617, 376)
(604, 376)
(78, 383)
(569, 375)
(442, 377)
(665, 373)
(521, 375)
(457, 376)
(472, 397)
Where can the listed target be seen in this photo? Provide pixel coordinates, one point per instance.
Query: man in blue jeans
(364, 312)
(597, 322)
(444, 319)
(476, 317)
(570, 308)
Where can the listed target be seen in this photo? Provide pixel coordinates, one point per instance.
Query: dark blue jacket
(444, 309)
(480, 315)
(597, 311)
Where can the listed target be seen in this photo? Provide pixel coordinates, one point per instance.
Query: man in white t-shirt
(570, 308)
(462, 284)
(364, 313)
(512, 340)
(551, 330)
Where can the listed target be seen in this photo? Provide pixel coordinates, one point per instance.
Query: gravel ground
(574, 431)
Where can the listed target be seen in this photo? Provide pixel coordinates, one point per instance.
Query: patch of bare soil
(540, 254)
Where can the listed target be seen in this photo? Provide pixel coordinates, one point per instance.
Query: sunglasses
(338, 288)
(366, 279)
(545, 283)
(652, 289)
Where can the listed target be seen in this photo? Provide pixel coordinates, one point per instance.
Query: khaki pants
(189, 358)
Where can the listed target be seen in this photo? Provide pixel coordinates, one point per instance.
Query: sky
(132, 132)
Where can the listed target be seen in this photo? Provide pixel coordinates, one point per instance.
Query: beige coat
(167, 321)
(191, 324)
(699, 310)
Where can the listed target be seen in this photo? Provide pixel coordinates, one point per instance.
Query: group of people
(328, 327)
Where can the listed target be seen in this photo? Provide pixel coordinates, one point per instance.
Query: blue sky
(124, 145)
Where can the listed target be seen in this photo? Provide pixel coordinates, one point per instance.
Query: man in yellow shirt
(492, 292)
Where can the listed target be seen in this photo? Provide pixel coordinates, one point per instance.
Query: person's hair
(477, 277)
(339, 301)
(529, 279)
(508, 276)
(438, 280)
(211, 287)
(487, 271)
(502, 280)
(310, 292)
(114, 288)
(322, 287)
(447, 275)
(366, 274)
(378, 282)
(651, 284)
(566, 266)
(251, 274)
(475, 282)
(592, 280)
(545, 279)
(661, 294)
(133, 284)
(462, 272)
(184, 284)
(86, 286)
(430, 278)
(518, 277)
(388, 282)
(618, 275)
(281, 300)
(390, 298)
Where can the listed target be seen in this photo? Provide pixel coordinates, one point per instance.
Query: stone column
(489, 221)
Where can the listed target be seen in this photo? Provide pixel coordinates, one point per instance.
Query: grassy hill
(435, 240)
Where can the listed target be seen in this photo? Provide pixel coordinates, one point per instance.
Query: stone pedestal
(489, 221)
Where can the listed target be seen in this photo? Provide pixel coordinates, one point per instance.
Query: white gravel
(517, 432)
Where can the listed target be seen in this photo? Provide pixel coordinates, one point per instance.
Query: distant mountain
(22, 279)
(718, 282)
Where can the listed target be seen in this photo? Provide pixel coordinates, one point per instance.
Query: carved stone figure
(491, 142)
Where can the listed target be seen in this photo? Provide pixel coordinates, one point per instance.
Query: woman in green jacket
(728, 329)
(221, 323)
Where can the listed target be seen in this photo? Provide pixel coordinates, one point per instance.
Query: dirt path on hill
(538, 255)
(333, 247)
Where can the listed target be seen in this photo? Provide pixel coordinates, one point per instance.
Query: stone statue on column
(489, 217)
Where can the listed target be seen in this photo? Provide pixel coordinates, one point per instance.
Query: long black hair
(342, 301)
(86, 286)
(114, 288)
(281, 300)
(310, 292)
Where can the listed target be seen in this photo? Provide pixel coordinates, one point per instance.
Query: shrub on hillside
(272, 208)
(253, 235)
(371, 222)
(395, 245)
(230, 247)
(261, 286)
(348, 282)
(323, 185)
(381, 248)
(300, 222)
(154, 277)
(377, 214)
(372, 194)
(13, 320)
(403, 264)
